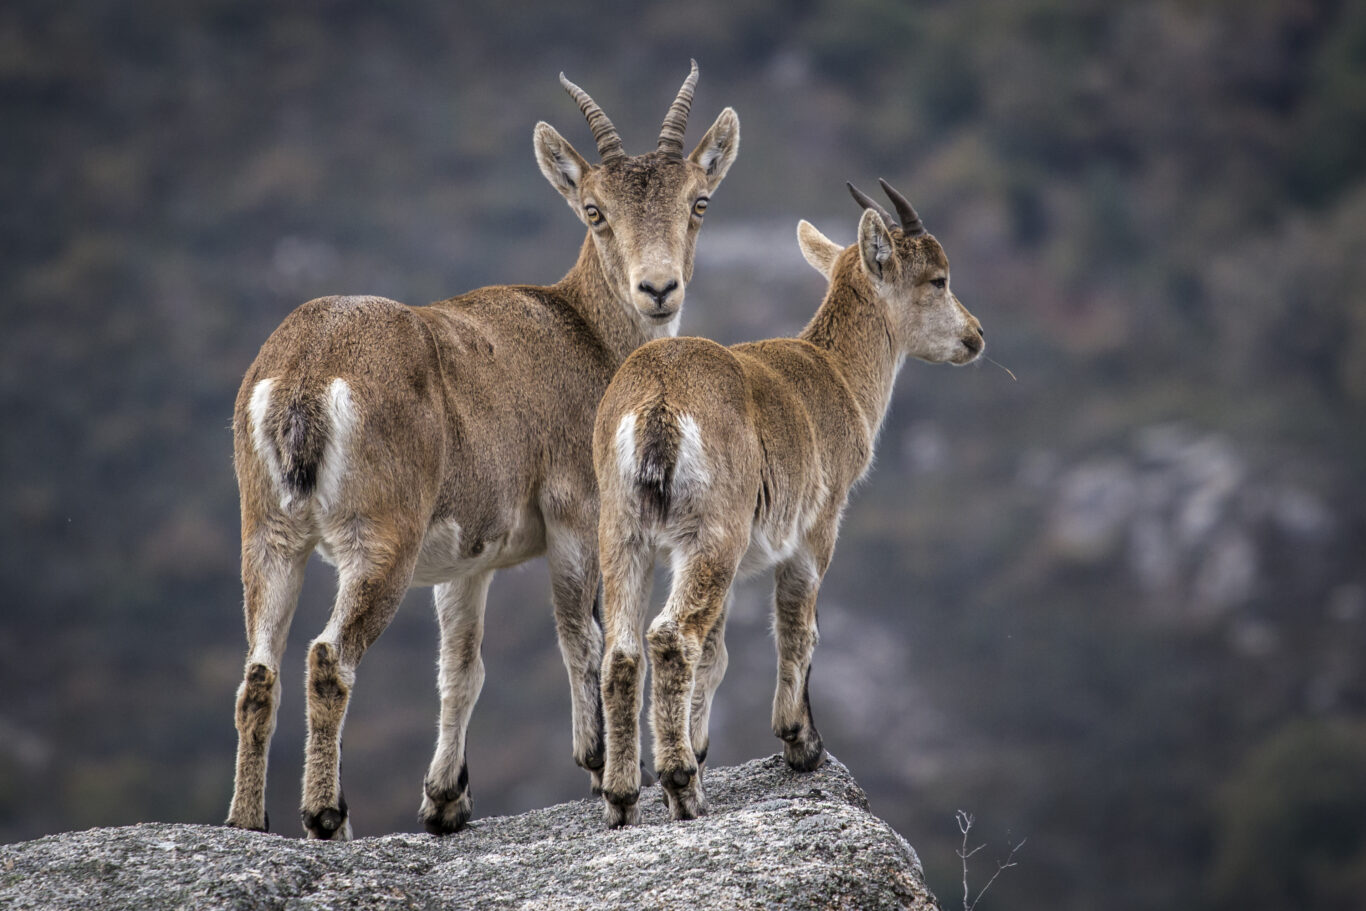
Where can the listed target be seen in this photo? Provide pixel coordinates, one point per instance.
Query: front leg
(446, 799)
(711, 668)
(573, 558)
(795, 626)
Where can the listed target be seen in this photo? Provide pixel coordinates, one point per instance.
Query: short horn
(910, 222)
(676, 121)
(863, 200)
(604, 134)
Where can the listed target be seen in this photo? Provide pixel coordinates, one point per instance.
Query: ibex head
(644, 211)
(907, 268)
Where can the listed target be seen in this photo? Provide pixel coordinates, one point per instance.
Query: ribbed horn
(676, 121)
(910, 222)
(604, 134)
(863, 200)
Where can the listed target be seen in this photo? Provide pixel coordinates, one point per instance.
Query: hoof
(593, 761)
(263, 827)
(683, 793)
(804, 755)
(621, 809)
(446, 811)
(328, 824)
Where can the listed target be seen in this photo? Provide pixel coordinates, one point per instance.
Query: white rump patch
(691, 471)
(626, 447)
(341, 415)
(257, 408)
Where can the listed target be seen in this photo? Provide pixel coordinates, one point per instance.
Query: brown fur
(435, 445)
(768, 439)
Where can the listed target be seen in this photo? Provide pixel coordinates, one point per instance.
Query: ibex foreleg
(271, 583)
(676, 641)
(795, 629)
(573, 558)
(626, 590)
(711, 668)
(446, 799)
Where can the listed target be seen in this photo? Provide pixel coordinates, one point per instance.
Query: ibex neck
(586, 288)
(855, 329)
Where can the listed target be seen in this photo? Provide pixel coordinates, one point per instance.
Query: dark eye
(699, 208)
(940, 283)
(594, 216)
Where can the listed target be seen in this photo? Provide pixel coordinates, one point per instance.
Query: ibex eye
(940, 283)
(594, 216)
(699, 208)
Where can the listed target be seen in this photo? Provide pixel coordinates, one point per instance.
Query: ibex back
(434, 445)
(737, 459)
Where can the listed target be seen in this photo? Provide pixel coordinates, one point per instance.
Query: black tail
(301, 437)
(658, 456)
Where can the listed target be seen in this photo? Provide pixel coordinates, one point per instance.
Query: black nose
(659, 294)
(974, 343)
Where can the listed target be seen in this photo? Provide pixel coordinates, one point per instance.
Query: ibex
(433, 445)
(737, 459)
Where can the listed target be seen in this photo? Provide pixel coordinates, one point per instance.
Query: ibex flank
(434, 445)
(737, 459)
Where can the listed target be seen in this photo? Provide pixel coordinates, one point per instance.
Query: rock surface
(773, 839)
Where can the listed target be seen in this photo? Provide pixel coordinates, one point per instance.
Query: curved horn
(604, 134)
(910, 222)
(863, 200)
(676, 121)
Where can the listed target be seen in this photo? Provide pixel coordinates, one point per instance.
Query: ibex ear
(717, 150)
(819, 250)
(560, 164)
(875, 244)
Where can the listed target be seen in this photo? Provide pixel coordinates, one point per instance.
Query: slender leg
(369, 595)
(573, 559)
(676, 640)
(795, 628)
(626, 567)
(446, 799)
(271, 581)
(711, 667)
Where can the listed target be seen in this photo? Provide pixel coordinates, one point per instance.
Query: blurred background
(1116, 607)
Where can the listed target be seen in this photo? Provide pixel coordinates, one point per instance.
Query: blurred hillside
(1118, 606)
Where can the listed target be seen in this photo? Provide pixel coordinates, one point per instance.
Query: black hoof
(804, 756)
(445, 811)
(594, 761)
(325, 823)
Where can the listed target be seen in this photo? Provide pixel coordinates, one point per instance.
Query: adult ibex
(737, 459)
(434, 445)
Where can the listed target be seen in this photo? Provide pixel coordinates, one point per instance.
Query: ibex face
(644, 211)
(908, 268)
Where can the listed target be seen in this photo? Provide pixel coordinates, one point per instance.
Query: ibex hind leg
(271, 583)
(365, 604)
(626, 566)
(446, 799)
(677, 638)
(795, 626)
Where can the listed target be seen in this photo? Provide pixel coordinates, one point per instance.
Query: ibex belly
(450, 551)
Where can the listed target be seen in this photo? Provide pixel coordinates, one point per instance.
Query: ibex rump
(737, 459)
(434, 445)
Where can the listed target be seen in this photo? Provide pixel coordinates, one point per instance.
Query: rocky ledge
(773, 839)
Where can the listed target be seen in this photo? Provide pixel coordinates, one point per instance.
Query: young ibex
(737, 459)
(434, 445)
